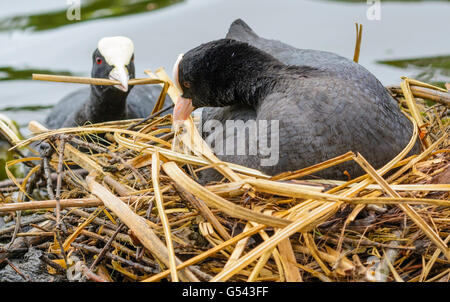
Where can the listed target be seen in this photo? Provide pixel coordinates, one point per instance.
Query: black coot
(113, 59)
(325, 105)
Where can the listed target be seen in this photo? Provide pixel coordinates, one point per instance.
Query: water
(35, 37)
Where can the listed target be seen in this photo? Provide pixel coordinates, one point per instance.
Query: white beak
(120, 73)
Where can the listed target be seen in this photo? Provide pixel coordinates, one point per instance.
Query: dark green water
(410, 39)
(435, 70)
(92, 10)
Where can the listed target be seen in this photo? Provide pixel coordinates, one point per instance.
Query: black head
(221, 73)
(217, 73)
(114, 59)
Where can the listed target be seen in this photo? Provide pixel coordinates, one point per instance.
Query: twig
(48, 177)
(366, 242)
(48, 204)
(37, 234)
(95, 250)
(32, 221)
(54, 265)
(106, 247)
(25, 277)
(208, 253)
(17, 227)
(9, 183)
(62, 144)
(96, 220)
(425, 93)
(60, 243)
(150, 117)
(203, 209)
(122, 248)
(100, 149)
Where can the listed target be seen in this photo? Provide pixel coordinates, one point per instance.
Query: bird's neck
(270, 77)
(235, 73)
(106, 105)
(242, 83)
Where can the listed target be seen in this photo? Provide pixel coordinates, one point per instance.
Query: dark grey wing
(321, 118)
(289, 55)
(63, 113)
(142, 99)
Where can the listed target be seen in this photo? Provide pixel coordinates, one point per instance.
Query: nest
(118, 203)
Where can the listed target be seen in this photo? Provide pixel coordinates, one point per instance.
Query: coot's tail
(239, 30)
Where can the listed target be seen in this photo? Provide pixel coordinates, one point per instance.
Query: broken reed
(139, 181)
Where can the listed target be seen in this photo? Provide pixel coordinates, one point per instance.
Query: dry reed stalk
(180, 157)
(276, 253)
(91, 81)
(75, 234)
(442, 97)
(309, 241)
(205, 211)
(289, 262)
(177, 175)
(193, 140)
(50, 204)
(260, 265)
(8, 133)
(410, 101)
(358, 42)
(396, 187)
(165, 222)
(292, 190)
(427, 268)
(240, 246)
(136, 223)
(284, 233)
(314, 168)
(208, 253)
(406, 208)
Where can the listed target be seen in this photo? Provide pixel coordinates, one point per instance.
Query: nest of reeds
(119, 204)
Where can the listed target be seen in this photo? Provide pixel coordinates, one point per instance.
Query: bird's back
(142, 99)
(327, 62)
(64, 112)
(324, 117)
(140, 103)
(289, 55)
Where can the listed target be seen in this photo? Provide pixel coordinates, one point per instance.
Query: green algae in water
(434, 70)
(8, 73)
(434, 62)
(90, 10)
(27, 108)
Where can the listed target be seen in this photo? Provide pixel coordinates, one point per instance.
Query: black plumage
(326, 105)
(104, 103)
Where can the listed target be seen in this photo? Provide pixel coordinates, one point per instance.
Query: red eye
(99, 61)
